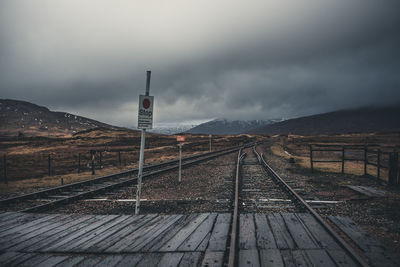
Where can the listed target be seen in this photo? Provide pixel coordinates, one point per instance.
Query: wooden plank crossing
(377, 254)
(113, 240)
(199, 239)
(287, 239)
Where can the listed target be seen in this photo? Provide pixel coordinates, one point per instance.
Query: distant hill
(224, 126)
(362, 120)
(27, 119)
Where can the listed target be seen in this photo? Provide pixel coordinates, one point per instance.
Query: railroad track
(259, 189)
(49, 198)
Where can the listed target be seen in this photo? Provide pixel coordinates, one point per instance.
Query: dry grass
(350, 167)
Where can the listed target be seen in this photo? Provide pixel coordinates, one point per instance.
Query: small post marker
(180, 139)
(210, 136)
(145, 121)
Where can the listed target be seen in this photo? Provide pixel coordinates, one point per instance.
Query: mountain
(20, 118)
(224, 126)
(169, 128)
(361, 120)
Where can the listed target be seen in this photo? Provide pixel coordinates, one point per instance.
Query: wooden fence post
(378, 161)
(365, 160)
(49, 164)
(392, 175)
(311, 159)
(342, 159)
(92, 155)
(5, 168)
(79, 162)
(396, 168)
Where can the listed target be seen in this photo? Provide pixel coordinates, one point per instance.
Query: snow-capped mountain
(224, 126)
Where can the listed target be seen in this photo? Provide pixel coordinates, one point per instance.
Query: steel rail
(235, 217)
(105, 178)
(360, 261)
(91, 192)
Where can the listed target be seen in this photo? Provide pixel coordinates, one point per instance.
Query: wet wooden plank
(194, 240)
(151, 259)
(163, 238)
(17, 229)
(219, 234)
(213, 259)
(89, 261)
(322, 237)
(36, 260)
(23, 243)
(204, 244)
(367, 191)
(64, 232)
(75, 235)
(373, 250)
(248, 258)
(297, 231)
(149, 236)
(247, 232)
(71, 261)
(319, 257)
(110, 260)
(24, 218)
(292, 258)
(130, 238)
(22, 258)
(282, 236)
(8, 256)
(130, 260)
(75, 245)
(32, 237)
(271, 258)
(190, 259)
(264, 236)
(52, 261)
(170, 259)
(180, 237)
(7, 216)
(136, 223)
(341, 258)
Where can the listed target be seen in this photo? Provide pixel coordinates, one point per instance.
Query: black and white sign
(145, 115)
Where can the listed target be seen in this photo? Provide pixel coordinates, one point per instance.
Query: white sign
(145, 114)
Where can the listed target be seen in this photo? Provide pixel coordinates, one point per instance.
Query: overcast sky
(209, 59)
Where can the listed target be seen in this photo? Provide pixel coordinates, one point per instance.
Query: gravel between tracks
(379, 216)
(205, 187)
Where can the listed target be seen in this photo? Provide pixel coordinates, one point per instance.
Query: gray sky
(235, 59)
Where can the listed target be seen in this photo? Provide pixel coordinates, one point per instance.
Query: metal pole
(180, 163)
(141, 156)
(311, 159)
(365, 160)
(92, 154)
(5, 168)
(49, 165)
(79, 162)
(342, 159)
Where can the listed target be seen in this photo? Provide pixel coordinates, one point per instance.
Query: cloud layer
(234, 59)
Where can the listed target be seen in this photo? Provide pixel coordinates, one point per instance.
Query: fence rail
(371, 155)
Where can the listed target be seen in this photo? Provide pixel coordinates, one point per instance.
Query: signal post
(145, 121)
(180, 139)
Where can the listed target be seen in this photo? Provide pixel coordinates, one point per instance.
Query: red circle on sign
(146, 103)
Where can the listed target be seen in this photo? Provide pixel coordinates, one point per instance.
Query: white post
(141, 156)
(210, 141)
(180, 163)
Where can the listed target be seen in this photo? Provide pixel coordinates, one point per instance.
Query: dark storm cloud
(235, 59)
